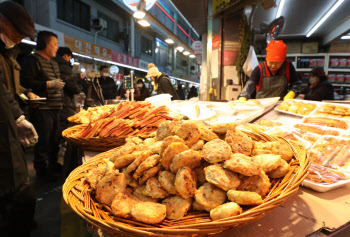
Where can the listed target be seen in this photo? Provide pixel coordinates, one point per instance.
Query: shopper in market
(16, 195)
(162, 83)
(180, 92)
(41, 73)
(121, 92)
(192, 93)
(319, 87)
(144, 91)
(107, 83)
(92, 90)
(276, 77)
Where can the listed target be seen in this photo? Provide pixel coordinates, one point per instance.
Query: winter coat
(323, 91)
(164, 86)
(144, 93)
(109, 88)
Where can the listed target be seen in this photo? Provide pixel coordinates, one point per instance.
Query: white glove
(91, 74)
(26, 132)
(58, 84)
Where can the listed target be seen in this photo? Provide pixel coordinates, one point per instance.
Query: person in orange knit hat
(275, 77)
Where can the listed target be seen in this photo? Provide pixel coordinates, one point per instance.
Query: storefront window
(74, 12)
(146, 46)
(112, 31)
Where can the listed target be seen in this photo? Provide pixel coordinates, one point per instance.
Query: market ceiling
(300, 17)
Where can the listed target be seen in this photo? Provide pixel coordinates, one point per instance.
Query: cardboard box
(310, 47)
(294, 47)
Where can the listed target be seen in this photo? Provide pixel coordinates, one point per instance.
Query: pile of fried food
(297, 107)
(91, 114)
(324, 175)
(335, 111)
(126, 119)
(328, 122)
(187, 167)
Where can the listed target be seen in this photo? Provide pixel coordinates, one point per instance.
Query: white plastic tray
(324, 187)
(299, 115)
(242, 106)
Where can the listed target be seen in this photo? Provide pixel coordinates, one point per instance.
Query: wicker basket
(93, 143)
(76, 193)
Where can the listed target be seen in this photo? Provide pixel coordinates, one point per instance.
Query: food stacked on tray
(187, 168)
(296, 107)
(91, 114)
(331, 110)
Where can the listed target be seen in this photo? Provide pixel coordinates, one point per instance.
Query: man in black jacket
(108, 85)
(16, 196)
(41, 73)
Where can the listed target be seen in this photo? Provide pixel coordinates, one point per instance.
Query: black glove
(58, 84)
(26, 132)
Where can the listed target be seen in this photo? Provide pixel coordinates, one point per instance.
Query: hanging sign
(197, 48)
(132, 4)
(215, 42)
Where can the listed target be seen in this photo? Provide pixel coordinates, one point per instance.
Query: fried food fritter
(156, 147)
(166, 129)
(135, 140)
(185, 182)
(167, 141)
(225, 210)
(123, 203)
(149, 141)
(244, 197)
(150, 162)
(216, 150)
(205, 132)
(143, 156)
(283, 149)
(208, 196)
(130, 180)
(138, 192)
(167, 181)
(126, 160)
(124, 150)
(222, 178)
(189, 158)
(242, 164)
(169, 153)
(197, 207)
(239, 142)
(200, 174)
(189, 132)
(198, 145)
(280, 171)
(176, 207)
(149, 212)
(256, 183)
(149, 174)
(154, 189)
(268, 162)
(222, 128)
(141, 147)
(111, 184)
(97, 174)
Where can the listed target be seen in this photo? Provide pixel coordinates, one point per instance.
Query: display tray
(317, 104)
(332, 110)
(324, 187)
(243, 106)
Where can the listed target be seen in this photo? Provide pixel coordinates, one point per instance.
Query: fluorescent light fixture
(192, 56)
(76, 63)
(345, 37)
(82, 55)
(195, 83)
(324, 18)
(180, 49)
(186, 53)
(139, 14)
(82, 70)
(280, 7)
(169, 41)
(28, 42)
(144, 23)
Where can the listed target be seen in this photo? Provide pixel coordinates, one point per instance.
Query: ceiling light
(144, 23)
(345, 37)
(169, 41)
(139, 14)
(28, 42)
(280, 7)
(186, 53)
(324, 18)
(180, 48)
(192, 56)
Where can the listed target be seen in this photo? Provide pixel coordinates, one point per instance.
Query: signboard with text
(124, 59)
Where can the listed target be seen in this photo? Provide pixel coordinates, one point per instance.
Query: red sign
(215, 42)
(124, 59)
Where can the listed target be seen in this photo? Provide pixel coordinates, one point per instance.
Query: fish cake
(167, 181)
(143, 156)
(198, 145)
(239, 142)
(154, 189)
(126, 160)
(172, 150)
(225, 210)
(189, 132)
(111, 184)
(150, 162)
(185, 182)
(242, 164)
(138, 192)
(256, 183)
(123, 203)
(124, 150)
(189, 158)
(149, 212)
(176, 207)
(208, 196)
(280, 171)
(244, 197)
(216, 150)
(167, 141)
(149, 174)
(222, 178)
(205, 132)
(268, 162)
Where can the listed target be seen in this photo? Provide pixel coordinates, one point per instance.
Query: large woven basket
(76, 193)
